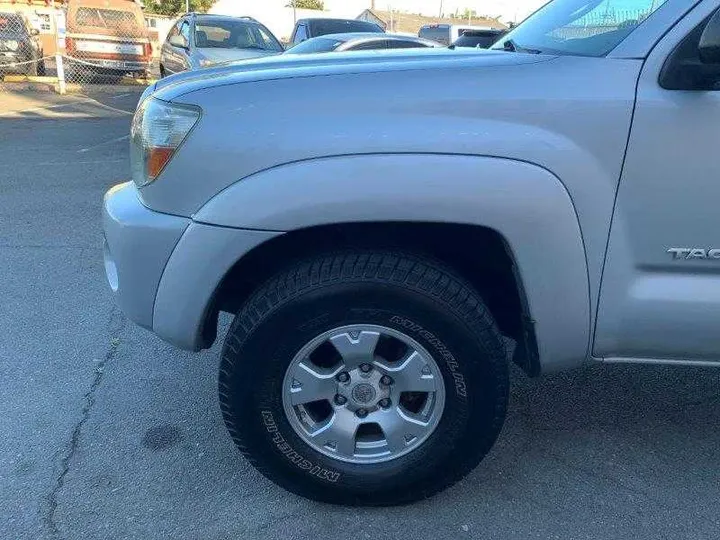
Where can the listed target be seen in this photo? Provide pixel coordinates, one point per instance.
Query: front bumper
(138, 244)
(164, 270)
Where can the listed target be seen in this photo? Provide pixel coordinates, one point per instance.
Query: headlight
(207, 63)
(11, 44)
(158, 130)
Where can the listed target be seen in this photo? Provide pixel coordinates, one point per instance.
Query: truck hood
(313, 65)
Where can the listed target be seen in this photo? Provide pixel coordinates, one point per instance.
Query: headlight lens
(11, 44)
(207, 63)
(158, 130)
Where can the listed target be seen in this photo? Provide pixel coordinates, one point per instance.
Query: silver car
(360, 42)
(198, 41)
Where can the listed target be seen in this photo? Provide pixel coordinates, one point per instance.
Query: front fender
(524, 203)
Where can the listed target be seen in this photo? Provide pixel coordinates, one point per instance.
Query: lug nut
(343, 377)
(340, 399)
(361, 413)
(365, 368)
(386, 380)
(385, 403)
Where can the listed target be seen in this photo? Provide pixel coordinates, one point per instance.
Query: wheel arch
(454, 207)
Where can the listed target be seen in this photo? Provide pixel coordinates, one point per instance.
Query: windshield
(315, 45)
(234, 35)
(11, 24)
(579, 27)
(105, 18)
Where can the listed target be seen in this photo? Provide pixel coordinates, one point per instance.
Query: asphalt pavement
(107, 432)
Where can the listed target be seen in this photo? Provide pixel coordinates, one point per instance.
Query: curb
(50, 84)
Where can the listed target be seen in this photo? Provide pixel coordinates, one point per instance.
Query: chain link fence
(76, 45)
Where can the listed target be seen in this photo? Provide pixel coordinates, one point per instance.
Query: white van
(447, 33)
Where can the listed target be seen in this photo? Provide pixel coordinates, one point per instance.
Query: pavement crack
(116, 325)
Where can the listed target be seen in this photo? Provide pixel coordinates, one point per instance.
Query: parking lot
(110, 433)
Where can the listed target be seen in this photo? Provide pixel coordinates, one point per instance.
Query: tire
(162, 72)
(41, 68)
(403, 294)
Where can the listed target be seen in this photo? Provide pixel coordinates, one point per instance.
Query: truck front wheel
(365, 378)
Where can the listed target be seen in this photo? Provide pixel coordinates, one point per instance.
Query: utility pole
(187, 6)
(441, 10)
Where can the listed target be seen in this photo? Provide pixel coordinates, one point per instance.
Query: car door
(660, 293)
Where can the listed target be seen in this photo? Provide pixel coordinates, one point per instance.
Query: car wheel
(41, 68)
(364, 378)
(162, 72)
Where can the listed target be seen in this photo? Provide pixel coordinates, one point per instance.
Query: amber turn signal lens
(157, 159)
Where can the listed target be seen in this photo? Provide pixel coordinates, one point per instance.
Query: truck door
(660, 294)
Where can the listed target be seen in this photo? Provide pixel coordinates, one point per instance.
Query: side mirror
(709, 47)
(34, 32)
(178, 41)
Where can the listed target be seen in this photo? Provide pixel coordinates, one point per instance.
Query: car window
(11, 24)
(315, 45)
(185, 31)
(300, 34)
(105, 18)
(233, 34)
(483, 40)
(580, 27)
(369, 45)
(323, 27)
(406, 44)
(441, 34)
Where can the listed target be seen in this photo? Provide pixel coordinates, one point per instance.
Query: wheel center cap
(363, 393)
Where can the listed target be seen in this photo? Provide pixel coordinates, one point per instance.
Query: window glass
(301, 34)
(105, 18)
(233, 34)
(315, 45)
(580, 27)
(441, 34)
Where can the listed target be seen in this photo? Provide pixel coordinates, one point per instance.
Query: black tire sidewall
(475, 383)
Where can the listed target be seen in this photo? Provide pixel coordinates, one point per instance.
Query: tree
(307, 4)
(176, 7)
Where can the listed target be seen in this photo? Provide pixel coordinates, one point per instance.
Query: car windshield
(11, 24)
(315, 45)
(579, 27)
(105, 18)
(231, 34)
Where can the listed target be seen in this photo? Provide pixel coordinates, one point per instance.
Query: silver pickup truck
(392, 229)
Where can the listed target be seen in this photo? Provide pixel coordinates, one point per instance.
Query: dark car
(310, 28)
(360, 42)
(20, 48)
(198, 41)
(478, 39)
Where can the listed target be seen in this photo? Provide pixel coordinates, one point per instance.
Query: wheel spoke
(401, 428)
(413, 374)
(338, 434)
(356, 349)
(309, 385)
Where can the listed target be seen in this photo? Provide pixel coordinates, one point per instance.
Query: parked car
(359, 42)
(447, 33)
(478, 39)
(198, 41)
(310, 28)
(20, 47)
(107, 37)
(390, 231)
